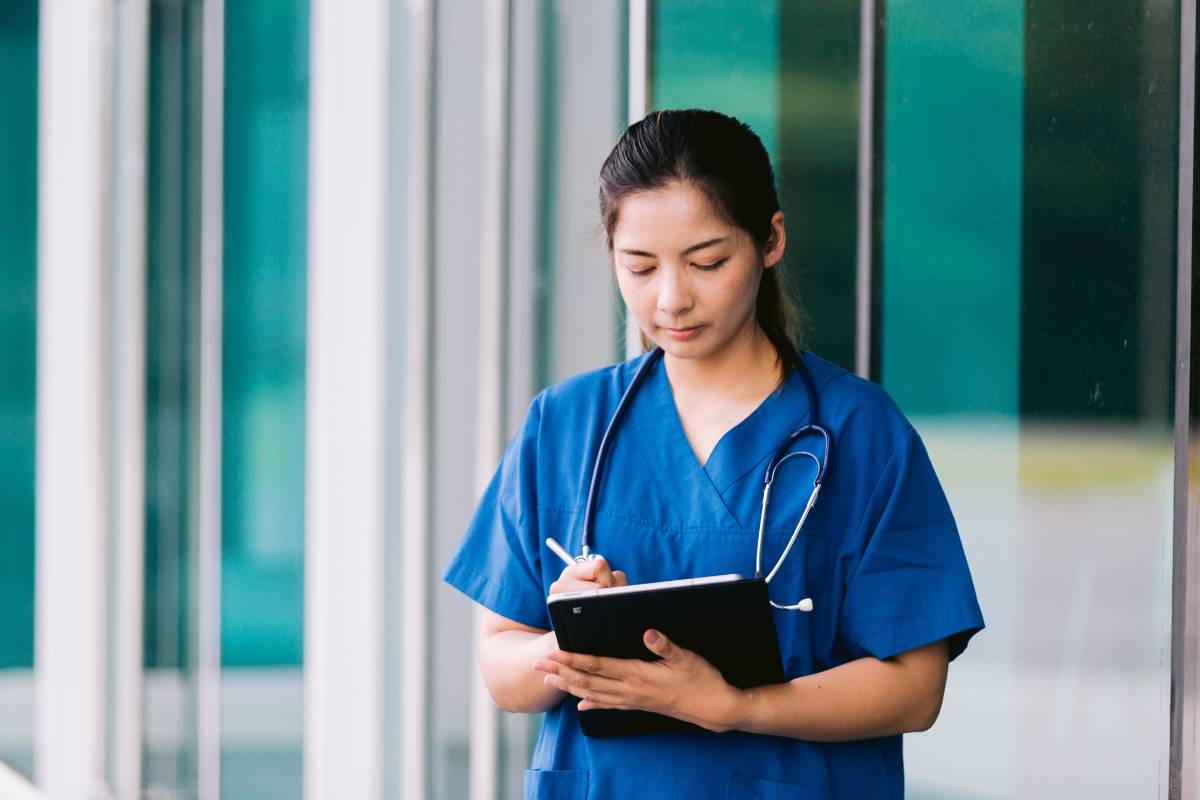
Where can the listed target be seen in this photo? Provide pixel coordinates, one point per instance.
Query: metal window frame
(866, 153)
(208, 537)
(638, 96)
(127, 392)
(1182, 768)
(415, 462)
(484, 760)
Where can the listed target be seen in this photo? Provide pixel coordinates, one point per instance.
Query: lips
(683, 334)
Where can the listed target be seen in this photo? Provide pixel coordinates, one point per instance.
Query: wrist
(734, 711)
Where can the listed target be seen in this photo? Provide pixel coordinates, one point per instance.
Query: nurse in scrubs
(692, 221)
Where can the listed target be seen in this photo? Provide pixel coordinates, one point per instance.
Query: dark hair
(725, 160)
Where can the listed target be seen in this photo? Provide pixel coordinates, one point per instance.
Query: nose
(674, 293)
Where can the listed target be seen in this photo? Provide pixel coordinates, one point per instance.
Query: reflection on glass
(790, 72)
(1026, 326)
(18, 330)
(263, 356)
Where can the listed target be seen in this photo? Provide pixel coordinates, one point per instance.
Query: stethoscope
(778, 458)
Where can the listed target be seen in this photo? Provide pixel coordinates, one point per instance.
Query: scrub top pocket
(742, 787)
(556, 784)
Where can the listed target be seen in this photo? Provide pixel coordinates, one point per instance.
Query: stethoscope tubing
(780, 456)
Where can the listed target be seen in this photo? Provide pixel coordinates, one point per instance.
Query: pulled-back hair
(722, 158)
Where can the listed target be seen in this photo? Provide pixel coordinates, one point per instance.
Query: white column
(127, 410)
(347, 287)
(71, 516)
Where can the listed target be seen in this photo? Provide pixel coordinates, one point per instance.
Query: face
(689, 279)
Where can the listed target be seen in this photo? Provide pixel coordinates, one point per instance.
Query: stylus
(559, 551)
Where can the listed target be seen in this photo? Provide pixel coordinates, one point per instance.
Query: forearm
(505, 658)
(857, 700)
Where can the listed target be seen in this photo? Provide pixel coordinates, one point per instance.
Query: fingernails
(652, 637)
(541, 665)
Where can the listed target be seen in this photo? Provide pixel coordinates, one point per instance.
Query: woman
(692, 222)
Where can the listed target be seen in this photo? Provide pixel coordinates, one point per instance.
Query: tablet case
(730, 624)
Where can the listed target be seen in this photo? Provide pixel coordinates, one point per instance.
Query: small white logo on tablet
(576, 609)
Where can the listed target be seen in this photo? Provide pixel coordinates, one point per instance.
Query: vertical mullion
(127, 351)
(1182, 766)
(866, 149)
(417, 422)
(638, 94)
(71, 504)
(484, 736)
(208, 562)
(346, 400)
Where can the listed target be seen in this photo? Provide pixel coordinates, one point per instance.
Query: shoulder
(595, 391)
(567, 420)
(857, 409)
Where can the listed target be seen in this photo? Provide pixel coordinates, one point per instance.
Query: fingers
(594, 573)
(586, 685)
(617, 668)
(660, 645)
(619, 578)
(601, 572)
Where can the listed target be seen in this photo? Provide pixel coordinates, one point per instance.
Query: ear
(776, 241)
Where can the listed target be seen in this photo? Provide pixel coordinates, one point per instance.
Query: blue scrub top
(880, 556)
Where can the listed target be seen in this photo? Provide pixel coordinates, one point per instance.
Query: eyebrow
(691, 249)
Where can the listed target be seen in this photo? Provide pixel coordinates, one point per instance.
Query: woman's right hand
(595, 573)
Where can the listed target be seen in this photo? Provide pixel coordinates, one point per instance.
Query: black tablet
(726, 619)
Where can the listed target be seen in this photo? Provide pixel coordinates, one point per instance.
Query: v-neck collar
(738, 451)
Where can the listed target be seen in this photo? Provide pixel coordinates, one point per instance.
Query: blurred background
(278, 279)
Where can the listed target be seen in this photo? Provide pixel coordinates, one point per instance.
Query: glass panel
(566, 112)
(1027, 273)
(790, 72)
(263, 359)
(18, 330)
(172, 409)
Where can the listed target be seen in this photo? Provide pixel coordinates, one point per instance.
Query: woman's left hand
(681, 684)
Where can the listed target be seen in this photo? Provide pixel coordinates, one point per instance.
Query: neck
(745, 364)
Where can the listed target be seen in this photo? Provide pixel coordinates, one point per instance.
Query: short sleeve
(908, 583)
(498, 562)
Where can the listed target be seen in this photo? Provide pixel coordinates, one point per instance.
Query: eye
(639, 273)
(712, 266)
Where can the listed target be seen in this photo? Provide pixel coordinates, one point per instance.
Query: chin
(697, 349)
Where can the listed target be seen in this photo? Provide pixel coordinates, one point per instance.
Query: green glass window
(1025, 323)
(18, 357)
(263, 365)
(790, 72)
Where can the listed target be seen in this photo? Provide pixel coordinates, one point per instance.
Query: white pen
(559, 551)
